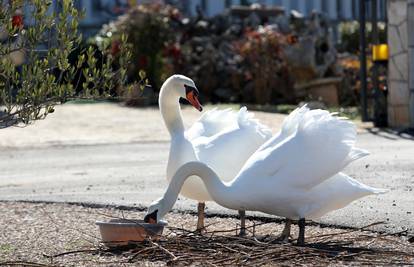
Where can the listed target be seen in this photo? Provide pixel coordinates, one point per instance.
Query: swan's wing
(212, 122)
(318, 149)
(291, 122)
(227, 151)
(289, 127)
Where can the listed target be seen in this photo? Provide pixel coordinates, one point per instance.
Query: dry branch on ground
(65, 235)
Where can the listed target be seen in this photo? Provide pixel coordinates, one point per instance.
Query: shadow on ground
(392, 134)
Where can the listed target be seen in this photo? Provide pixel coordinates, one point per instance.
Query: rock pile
(250, 54)
(254, 54)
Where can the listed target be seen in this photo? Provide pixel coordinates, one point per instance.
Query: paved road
(131, 172)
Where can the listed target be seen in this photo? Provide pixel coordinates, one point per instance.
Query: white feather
(222, 139)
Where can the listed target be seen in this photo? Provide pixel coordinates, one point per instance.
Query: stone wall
(401, 63)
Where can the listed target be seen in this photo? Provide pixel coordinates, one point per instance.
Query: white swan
(222, 139)
(295, 174)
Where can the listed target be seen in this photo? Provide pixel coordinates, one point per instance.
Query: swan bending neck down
(225, 194)
(219, 191)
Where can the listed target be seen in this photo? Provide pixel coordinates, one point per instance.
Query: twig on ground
(346, 232)
(24, 263)
(71, 252)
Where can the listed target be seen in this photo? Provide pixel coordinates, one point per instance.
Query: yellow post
(380, 52)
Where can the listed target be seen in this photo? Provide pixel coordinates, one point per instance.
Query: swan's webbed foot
(200, 221)
(282, 238)
(242, 215)
(301, 237)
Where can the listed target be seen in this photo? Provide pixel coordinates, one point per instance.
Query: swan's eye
(189, 89)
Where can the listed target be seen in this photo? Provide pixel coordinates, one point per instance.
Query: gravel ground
(31, 233)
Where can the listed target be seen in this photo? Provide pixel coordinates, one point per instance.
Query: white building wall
(401, 63)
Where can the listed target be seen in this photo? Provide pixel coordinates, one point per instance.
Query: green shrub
(148, 30)
(29, 90)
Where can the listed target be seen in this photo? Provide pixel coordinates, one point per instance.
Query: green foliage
(6, 248)
(148, 29)
(29, 91)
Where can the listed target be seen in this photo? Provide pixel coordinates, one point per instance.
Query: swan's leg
(284, 236)
(200, 213)
(242, 215)
(301, 238)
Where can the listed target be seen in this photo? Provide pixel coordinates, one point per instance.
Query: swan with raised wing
(296, 174)
(222, 139)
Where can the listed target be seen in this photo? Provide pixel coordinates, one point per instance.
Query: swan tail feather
(292, 120)
(355, 154)
(379, 191)
(366, 188)
(359, 186)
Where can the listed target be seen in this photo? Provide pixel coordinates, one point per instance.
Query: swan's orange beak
(192, 97)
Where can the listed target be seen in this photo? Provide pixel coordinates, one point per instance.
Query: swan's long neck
(219, 191)
(170, 109)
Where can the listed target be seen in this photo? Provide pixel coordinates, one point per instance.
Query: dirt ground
(103, 123)
(39, 234)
